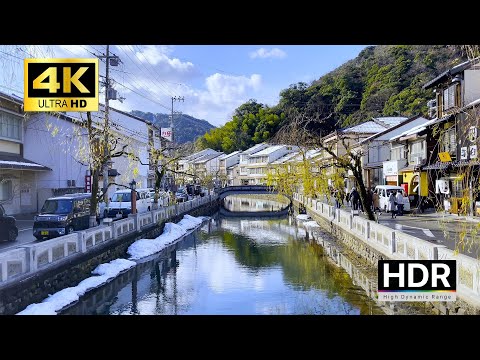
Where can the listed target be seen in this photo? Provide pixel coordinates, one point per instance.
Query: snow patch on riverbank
(105, 272)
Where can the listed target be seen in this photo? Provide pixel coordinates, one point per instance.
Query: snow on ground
(62, 298)
(172, 232)
(303, 217)
(105, 272)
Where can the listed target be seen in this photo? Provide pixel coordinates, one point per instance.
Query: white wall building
(226, 162)
(244, 155)
(258, 163)
(18, 174)
(59, 141)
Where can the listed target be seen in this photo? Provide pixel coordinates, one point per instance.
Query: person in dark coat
(355, 197)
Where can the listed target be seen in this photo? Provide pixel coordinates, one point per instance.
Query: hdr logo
(417, 280)
(61, 84)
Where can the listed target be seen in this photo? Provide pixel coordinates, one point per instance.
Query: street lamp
(133, 196)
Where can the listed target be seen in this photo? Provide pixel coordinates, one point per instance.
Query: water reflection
(254, 203)
(235, 266)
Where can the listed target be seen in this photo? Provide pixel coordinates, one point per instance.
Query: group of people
(395, 200)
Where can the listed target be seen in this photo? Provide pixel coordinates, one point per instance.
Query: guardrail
(52, 251)
(395, 244)
(39, 255)
(13, 263)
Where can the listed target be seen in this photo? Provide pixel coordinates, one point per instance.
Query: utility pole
(109, 60)
(105, 129)
(174, 98)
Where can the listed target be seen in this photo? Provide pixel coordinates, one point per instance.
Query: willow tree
(304, 132)
(92, 145)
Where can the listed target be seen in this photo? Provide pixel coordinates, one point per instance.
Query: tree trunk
(158, 181)
(93, 199)
(366, 201)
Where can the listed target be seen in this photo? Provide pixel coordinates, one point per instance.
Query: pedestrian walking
(355, 197)
(399, 200)
(392, 204)
(376, 202)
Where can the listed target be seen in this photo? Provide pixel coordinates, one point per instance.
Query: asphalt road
(449, 230)
(25, 235)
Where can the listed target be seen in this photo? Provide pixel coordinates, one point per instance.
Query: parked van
(121, 202)
(384, 191)
(62, 215)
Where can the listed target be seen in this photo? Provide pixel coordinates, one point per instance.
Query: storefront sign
(473, 152)
(391, 167)
(444, 156)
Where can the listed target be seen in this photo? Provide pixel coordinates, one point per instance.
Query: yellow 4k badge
(61, 85)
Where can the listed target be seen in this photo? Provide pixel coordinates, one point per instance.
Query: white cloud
(158, 56)
(223, 88)
(222, 95)
(268, 53)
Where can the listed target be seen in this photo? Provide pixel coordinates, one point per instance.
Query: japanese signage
(166, 133)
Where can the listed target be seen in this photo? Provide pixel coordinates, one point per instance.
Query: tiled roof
(369, 127)
(268, 150)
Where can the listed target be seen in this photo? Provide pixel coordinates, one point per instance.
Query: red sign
(88, 183)
(405, 187)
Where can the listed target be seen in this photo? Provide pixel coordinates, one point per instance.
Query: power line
(143, 72)
(165, 86)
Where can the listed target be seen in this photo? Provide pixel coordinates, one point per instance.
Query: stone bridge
(246, 189)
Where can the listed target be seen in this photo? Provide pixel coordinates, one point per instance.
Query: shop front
(415, 183)
(391, 172)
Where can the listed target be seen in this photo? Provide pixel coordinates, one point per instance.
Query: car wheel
(12, 235)
(69, 230)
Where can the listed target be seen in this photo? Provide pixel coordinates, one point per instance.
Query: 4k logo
(61, 85)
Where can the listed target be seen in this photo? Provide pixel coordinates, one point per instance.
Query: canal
(235, 266)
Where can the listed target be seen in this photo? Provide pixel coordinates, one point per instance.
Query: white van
(384, 191)
(121, 203)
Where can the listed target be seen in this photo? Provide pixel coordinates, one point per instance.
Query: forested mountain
(187, 128)
(384, 80)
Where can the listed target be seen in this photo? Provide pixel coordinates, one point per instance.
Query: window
(449, 97)
(417, 149)
(6, 190)
(10, 126)
(397, 153)
(449, 143)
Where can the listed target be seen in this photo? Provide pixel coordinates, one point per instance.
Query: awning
(17, 162)
(409, 168)
(438, 166)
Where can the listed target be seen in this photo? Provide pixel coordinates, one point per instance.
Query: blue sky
(214, 79)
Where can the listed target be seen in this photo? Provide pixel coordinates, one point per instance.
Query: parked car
(8, 228)
(62, 215)
(163, 198)
(121, 203)
(181, 196)
(102, 210)
(384, 191)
